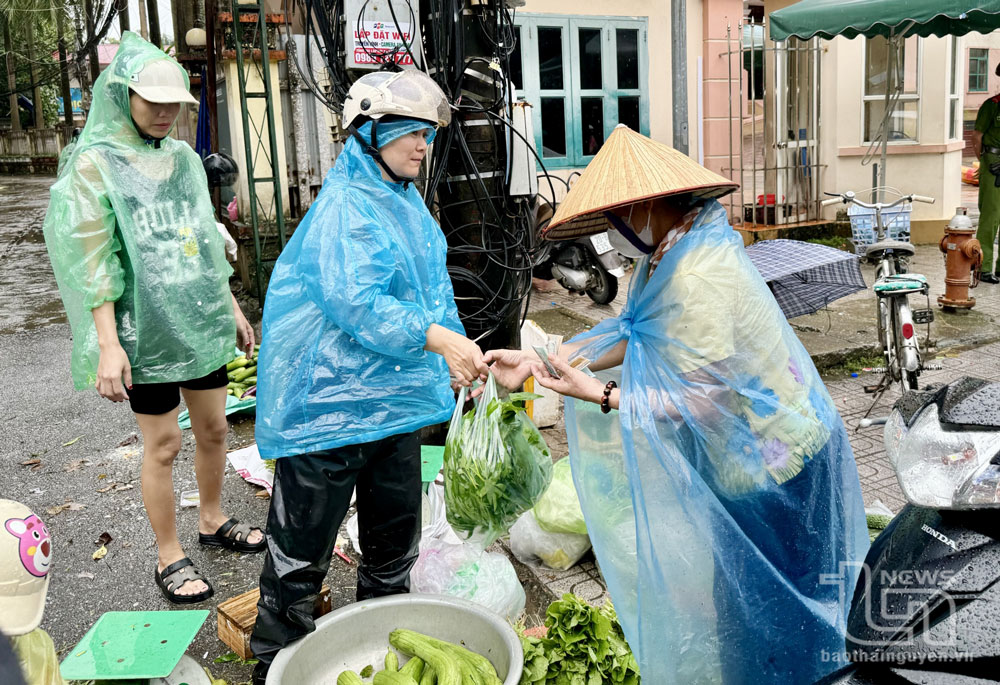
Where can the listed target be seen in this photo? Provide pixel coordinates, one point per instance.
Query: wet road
(28, 295)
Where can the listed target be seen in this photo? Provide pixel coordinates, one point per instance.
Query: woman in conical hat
(722, 497)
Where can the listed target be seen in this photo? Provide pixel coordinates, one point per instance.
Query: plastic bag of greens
(496, 465)
(532, 545)
(558, 510)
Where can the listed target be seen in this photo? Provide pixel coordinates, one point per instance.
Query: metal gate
(774, 155)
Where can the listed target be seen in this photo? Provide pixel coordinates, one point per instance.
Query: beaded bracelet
(606, 400)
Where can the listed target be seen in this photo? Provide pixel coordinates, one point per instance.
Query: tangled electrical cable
(489, 232)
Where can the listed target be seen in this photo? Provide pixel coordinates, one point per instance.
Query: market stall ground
(76, 454)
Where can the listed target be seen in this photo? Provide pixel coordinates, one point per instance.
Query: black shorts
(159, 398)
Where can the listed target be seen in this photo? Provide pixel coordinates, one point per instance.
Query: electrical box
(379, 32)
(523, 170)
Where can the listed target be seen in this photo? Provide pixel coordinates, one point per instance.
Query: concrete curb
(829, 360)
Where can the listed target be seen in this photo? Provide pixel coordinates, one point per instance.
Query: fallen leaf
(100, 554)
(84, 574)
(123, 486)
(103, 539)
(130, 440)
(262, 494)
(31, 462)
(67, 444)
(56, 510)
(76, 464)
(102, 476)
(105, 489)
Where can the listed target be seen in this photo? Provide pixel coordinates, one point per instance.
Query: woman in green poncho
(142, 271)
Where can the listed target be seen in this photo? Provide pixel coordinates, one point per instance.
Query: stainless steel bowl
(357, 635)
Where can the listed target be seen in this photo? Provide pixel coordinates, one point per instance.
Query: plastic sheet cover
(349, 304)
(723, 500)
(131, 222)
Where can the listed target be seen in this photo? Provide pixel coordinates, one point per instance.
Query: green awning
(828, 18)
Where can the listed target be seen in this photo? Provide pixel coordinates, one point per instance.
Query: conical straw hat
(630, 168)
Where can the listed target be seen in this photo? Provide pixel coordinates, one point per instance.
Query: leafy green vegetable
(496, 465)
(584, 646)
(234, 657)
(367, 671)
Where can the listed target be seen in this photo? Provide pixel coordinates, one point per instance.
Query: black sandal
(234, 535)
(175, 575)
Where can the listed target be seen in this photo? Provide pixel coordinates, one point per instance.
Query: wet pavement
(26, 281)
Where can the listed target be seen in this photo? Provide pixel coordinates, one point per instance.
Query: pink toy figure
(35, 548)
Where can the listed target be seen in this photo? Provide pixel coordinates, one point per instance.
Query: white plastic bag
(533, 546)
(448, 566)
(460, 570)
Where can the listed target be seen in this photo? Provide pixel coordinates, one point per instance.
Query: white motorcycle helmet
(25, 559)
(408, 94)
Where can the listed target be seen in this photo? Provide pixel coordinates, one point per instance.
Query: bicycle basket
(863, 229)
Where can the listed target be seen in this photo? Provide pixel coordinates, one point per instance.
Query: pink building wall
(722, 128)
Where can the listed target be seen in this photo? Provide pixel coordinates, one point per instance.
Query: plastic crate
(863, 230)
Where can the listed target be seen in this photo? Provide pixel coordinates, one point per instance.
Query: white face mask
(625, 247)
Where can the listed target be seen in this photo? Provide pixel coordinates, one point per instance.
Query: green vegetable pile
(584, 646)
(496, 465)
(876, 524)
(432, 662)
(242, 374)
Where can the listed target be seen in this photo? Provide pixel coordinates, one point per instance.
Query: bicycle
(893, 286)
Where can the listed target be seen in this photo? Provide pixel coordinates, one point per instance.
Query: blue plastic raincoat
(722, 499)
(349, 303)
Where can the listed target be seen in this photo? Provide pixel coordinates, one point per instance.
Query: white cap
(160, 81)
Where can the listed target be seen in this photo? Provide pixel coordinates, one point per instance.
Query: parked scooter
(926, 608)
(589, 264)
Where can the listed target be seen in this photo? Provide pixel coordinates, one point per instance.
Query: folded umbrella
(805, 277)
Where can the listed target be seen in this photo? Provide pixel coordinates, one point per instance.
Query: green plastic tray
(133, 644)
(431, 460)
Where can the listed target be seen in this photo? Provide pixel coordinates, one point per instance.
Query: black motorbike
(926, 608)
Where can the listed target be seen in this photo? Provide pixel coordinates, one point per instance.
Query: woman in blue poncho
(360, 336)
(722, 497)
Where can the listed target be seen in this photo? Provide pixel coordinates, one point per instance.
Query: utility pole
(15, 117)
(86, 92)
(212, 85)
(678, 56)
(143, 23)
(36, 91)
(92, 56)
(153, 12)
(67, 96)
(123, 18)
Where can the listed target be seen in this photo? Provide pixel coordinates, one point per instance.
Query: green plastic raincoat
(130, 221)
